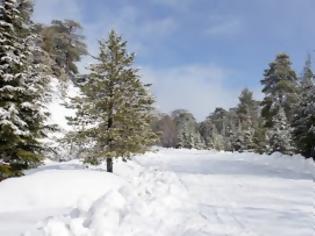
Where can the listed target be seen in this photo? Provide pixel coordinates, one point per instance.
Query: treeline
(284, 121)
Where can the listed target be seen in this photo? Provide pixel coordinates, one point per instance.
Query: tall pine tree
(280, 101)
(279, 135)
(304, 120)
(63, 41)
(116, 105)
(22, 85)
(247, 113)
(188, 135)
(280, 88)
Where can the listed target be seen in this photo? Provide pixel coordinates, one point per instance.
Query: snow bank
(55, 189)
(152, 203)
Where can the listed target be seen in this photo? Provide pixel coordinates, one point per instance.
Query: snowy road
(166, 193)
(245, 194)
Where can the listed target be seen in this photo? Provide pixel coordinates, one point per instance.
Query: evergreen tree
(280, 88)
(307, 76)
(224, 128)
(188, 135)
(64, 43)
(22, 86)
(247, 115)
(247, 109)
(116, 105)
(210, 135)
(279, 136)
(259, 137)
(206, 130)
(217, 140)
(304, 120)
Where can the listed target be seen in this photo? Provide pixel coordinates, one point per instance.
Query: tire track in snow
(230, 205)
(222, 213)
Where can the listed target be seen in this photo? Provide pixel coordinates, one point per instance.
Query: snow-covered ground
(164, 193)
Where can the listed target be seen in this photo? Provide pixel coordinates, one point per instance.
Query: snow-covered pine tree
(117, 106)
(279, 135)
(218, 140)
(281, 96)
(237, 141)
(213, 129)
(22, 88)
(188, 135)
(210, 135)
(304, 120)
(206, 131)
(280, 88)
(259, 137)
(247, 115)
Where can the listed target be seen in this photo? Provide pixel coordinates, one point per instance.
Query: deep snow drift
(164, 193)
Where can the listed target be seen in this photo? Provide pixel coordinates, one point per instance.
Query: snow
(58, 113)
(164, 193)
(56, 107)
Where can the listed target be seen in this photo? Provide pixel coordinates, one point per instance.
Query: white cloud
(198, 88)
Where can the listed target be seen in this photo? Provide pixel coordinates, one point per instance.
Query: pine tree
(206, 130)
(188, 135)
(280, 88)
(224, 127)
(259, 137)
(63, 41)
(279, 136)
(116, 105)
(22, 86)
(247, 115)
(217, 140)
(308, 75)
(304, 120)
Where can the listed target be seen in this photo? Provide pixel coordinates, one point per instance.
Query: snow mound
(54, 189)
(153, 203)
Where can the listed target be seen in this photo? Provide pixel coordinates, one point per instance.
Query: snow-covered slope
(164, 193)
(56, 106)
(58, 113)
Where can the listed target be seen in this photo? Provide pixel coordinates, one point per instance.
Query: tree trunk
(109, 162)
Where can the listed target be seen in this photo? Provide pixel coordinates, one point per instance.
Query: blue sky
(198, 54)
